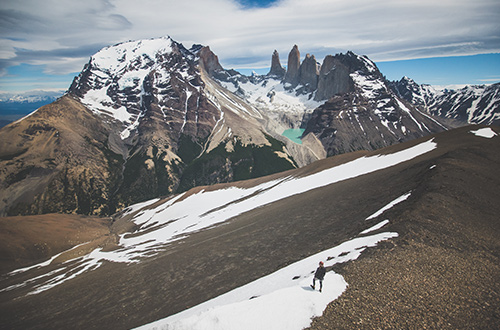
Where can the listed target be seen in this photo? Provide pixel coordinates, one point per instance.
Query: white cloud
(384, 29)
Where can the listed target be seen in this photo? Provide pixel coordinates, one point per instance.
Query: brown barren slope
(27, 240)
(441, 272)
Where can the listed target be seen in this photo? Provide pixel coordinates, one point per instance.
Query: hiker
(320, 275)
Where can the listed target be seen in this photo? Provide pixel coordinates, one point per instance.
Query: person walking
(319, 275)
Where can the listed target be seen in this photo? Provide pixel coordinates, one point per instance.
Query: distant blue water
(12, 111)
(20, 108)
(294, 134)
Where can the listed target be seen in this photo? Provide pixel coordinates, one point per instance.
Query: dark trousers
(320, 282)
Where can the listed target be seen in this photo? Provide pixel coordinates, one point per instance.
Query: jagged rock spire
(209, 61)
(308, 73)
(292, 72)
(304, 74)
(276, 68)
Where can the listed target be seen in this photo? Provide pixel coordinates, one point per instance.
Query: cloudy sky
(45, 43)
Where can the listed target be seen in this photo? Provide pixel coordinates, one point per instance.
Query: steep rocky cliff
(345, 104)
(143, 119)
(149, 118)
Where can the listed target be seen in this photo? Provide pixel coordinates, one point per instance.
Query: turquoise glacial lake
(294, 134)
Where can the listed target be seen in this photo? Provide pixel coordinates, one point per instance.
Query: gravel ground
(443, 271)
(418, 287)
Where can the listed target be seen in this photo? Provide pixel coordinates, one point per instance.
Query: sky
(44, 44)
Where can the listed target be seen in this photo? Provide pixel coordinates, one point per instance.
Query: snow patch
(281, 300)
(370, 86)
(115, 58)
(486, 132)
(390, 205)
(100, 103)
(376, 227)
(272, 95)
(44, 263)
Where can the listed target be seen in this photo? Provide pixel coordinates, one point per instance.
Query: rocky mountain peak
(333, 78)
(131, 81)
(308, 73)
(209, 61)
(276, 68)
(293, 66)
(113, 61)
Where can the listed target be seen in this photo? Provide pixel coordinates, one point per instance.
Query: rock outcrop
(333, 79)
(308, 73)
(276, 69)
(209, 61)
(293, 66)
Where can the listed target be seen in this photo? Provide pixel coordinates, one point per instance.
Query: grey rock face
(292, 73)
(209, 60)
(333, 79)
(308, 73)
(276, 68)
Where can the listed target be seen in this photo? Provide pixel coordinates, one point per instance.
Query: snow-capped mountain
(132, 81)
(151, 117)
(475, 104)
(143, 119)
(345, 103)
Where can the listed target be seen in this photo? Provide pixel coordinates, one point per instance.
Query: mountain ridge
(345, 103)
(163, 118)
(472, 104)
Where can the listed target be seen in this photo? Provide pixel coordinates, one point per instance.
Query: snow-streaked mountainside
(150, 118)
(119, 81)
(160, 192)
(471, 104)
(242, 255)
(283, 300)
(345, 103)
